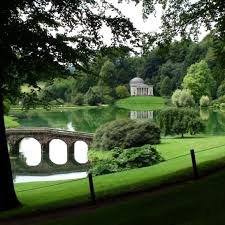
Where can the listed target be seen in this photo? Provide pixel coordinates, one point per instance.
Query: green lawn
(141, 103)
(173, 147)
(195, 203)
(75, 192)
(9, 122)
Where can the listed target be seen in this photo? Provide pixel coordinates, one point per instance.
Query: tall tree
(199, 80)
(31, 46)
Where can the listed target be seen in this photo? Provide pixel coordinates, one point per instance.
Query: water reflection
(24, 179)
(204, 113)
(141, 114)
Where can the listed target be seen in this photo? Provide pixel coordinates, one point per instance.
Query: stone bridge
(44, 136)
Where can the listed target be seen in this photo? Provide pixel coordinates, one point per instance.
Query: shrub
(92, 98)
(78, 99)
(216, 103)
(124, 159)
(186, 99)
(204, 101)
(6, 106)
(221, 90)
(183, 98)
(126, 134)
(222, 106)
(121, 91)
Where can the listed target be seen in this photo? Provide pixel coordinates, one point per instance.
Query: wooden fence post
(194, 165)
(91, 185)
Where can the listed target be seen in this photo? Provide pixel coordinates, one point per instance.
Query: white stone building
(139, 88)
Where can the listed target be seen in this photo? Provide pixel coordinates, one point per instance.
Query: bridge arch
(81, 152)
(62, 147)
(31, 150)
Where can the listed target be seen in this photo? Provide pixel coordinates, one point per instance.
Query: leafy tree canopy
(199, 80)
(179, 121)
(32, 48)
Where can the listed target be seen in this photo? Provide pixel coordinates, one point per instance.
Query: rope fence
(192, 153)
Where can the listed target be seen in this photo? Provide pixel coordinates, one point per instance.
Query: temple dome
(136, 80)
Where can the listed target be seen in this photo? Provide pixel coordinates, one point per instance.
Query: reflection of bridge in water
(141, 114)
(46, 167)
(44, 136)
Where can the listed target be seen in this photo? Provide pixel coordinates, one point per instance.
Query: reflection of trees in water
(89, 120)
(216, 123)
(204, 113)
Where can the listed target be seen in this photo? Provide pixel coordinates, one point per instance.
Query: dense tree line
(167, 67)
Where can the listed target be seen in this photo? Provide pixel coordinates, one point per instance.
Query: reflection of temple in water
(141, 115)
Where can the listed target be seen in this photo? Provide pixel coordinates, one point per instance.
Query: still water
(30, 165)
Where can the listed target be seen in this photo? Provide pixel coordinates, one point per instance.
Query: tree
(165, 87)
(121, 91)
(175, 97)
(204, 101)
(39, 51)
(186, 99)
(199, 80)
(179, 121)
(92, 97)
(186, 16)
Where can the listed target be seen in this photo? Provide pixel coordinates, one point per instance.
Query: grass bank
(10, 122)
(174, 147)
(195, 203)
(141, 103)
(43, 196)
(56, 108)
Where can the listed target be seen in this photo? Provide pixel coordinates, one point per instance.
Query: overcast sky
(134, 12)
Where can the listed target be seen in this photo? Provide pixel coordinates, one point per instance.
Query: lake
(31, 166)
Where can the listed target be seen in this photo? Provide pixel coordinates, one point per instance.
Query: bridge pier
(14, 148)
(45, 154)
(70, 152)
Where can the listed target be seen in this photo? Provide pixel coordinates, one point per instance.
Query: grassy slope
(128, 181)
(195, 203)
(10, 123)
(141, 103)
(173, 147)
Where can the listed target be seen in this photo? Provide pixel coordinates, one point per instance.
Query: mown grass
(10, 122)
(199, 202)
(173, 147)
(59, 194)
(141, 103)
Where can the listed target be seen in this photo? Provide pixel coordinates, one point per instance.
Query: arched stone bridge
(44, 136)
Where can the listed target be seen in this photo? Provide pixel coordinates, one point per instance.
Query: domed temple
(139, 88)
